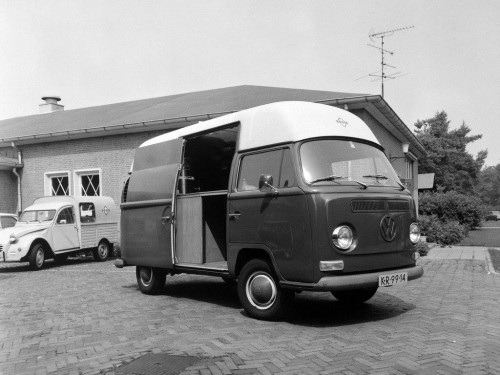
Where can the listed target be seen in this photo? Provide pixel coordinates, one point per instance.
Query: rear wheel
(259, 291)
(37, 257)
(355, 297)
(101, 253)
(149, 279)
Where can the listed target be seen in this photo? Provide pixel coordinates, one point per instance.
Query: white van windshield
(37, 216)
(342, 162)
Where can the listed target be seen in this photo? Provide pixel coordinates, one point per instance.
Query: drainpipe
(19, 195)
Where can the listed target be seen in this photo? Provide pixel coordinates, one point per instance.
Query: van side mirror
(266, 183)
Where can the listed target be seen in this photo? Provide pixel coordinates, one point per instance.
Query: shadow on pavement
(323, 310)
(49, 264)
(308, 309)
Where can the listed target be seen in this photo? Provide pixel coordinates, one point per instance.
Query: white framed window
(88, 182)
(56, 183)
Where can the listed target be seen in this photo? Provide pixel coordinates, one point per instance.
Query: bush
(453, 207)
(448, 232)
(422, 248)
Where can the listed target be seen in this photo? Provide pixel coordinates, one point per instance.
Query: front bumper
(351, 282)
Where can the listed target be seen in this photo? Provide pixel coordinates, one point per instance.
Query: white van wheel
(102, 252)
(259, 292)
(37, 257)
(149, 279)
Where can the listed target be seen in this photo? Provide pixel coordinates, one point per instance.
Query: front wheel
(102, 252)
(355, 297)
(259, 291)
(37, 257)
(149, 279)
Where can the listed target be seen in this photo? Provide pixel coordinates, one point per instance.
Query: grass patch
(482, 237)
(495, 259)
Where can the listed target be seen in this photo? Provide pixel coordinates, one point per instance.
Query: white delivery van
(55, 227)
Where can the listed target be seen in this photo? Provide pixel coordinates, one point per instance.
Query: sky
(94, 52)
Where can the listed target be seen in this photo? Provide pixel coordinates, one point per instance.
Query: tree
(489, 186)
(454, 167)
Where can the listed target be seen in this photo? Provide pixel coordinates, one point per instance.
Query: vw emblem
(388, 228)
(105, 210)
(342, 122)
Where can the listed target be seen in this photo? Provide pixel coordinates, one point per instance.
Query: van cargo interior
(202, 198)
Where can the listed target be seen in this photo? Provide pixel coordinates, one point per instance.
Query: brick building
(88, 151)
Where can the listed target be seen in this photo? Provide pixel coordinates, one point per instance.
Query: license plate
(393, 279)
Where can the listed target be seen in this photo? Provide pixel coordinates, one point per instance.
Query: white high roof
(281, 122)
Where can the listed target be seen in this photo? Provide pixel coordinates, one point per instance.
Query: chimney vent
(51, 104)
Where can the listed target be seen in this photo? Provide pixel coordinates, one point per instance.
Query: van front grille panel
(368, 206)
(379, 205)
(398, 206)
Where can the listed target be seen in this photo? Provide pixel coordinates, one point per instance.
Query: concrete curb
(489, 263)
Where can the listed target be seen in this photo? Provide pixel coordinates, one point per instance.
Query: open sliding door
(147, 215)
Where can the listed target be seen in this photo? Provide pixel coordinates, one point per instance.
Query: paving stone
(90, 318)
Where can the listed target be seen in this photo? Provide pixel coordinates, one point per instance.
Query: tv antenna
(381, 74)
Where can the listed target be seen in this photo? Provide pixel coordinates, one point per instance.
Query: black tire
(101, 253)
(259, 291)
(37, 257)
(355, 297)
(150, 280)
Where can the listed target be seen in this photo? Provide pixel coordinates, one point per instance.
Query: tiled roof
(167, 107)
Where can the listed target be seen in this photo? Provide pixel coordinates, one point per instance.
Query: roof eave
(99, 131)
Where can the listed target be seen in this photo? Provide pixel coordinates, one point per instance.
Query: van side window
(277, 163)
(87, 213)
(65, 216)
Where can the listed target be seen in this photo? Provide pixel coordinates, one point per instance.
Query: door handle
(165, 219)
(234, 216)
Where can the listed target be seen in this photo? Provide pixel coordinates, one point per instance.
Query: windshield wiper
(384, 177)
(334, 177)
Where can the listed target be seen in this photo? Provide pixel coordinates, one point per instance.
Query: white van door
(65, 231)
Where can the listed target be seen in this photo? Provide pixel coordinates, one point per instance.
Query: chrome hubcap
(39, 257)
(146, 276)
(103, 250)
(261, 290)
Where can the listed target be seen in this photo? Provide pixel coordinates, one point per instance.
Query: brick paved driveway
(87, 318)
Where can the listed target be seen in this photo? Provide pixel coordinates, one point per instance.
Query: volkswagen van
(59, 226)
(281, 198)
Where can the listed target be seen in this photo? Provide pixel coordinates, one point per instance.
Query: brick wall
(112, 154)
(8, 192)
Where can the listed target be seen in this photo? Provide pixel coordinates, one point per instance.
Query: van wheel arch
(103, 250)
(34, 259)
(247, 254)
(48, 255)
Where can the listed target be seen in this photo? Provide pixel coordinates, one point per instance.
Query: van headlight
(12, 238)
(414, 233)
(342, 237)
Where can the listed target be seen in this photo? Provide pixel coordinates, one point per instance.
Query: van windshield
(341, 162)
(37, 216)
